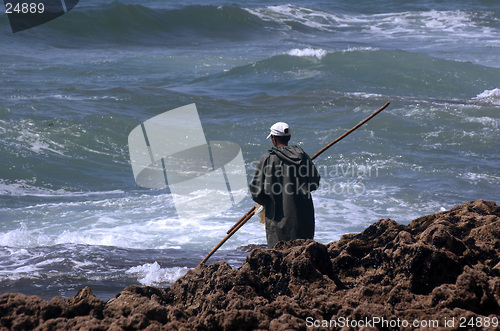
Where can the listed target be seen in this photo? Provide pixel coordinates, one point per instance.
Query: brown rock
(439, 267)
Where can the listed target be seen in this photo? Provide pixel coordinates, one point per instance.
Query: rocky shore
(441, 271)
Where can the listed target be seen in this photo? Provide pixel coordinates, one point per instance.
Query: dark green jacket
(282, 183)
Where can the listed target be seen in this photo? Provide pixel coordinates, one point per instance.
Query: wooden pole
(252, 210)
(350, 131)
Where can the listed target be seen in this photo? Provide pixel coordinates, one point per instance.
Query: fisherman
(283, 181)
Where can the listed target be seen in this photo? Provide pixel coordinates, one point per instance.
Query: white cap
(279, 129)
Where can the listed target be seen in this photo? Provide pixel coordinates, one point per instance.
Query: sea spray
(151, 274)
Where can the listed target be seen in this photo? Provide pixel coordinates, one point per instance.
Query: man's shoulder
(299, 152)
(265, 157)
(277, 153)
(298, 149)
(290, 148)
(268, 153)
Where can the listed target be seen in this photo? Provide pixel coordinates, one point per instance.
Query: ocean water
(72, 89)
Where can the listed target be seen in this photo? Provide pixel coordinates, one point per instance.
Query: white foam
(151, 274)
(359, 49)
(21, 272)
(477, 178)
(414, 23)
(446, 20)
(92, 237)
(143, 221)
(493, 123)
(20, 188)
(63, 97)
(308, 52)
(25, 135)
(321, 53)
(285, 13)
(49, 262)
(489, 96)
(16, 238)
(363, 95)
(28, 187)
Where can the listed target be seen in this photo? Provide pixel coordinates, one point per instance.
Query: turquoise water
(73, 89)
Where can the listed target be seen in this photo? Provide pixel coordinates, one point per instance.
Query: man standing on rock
(283, 181)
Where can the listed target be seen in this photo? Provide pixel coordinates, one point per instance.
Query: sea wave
(391, 23)
(401, 73)
(122, 23)
(290, 15)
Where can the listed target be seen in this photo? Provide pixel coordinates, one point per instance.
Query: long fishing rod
(252, 210)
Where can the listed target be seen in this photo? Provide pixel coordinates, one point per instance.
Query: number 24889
(24, 8)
